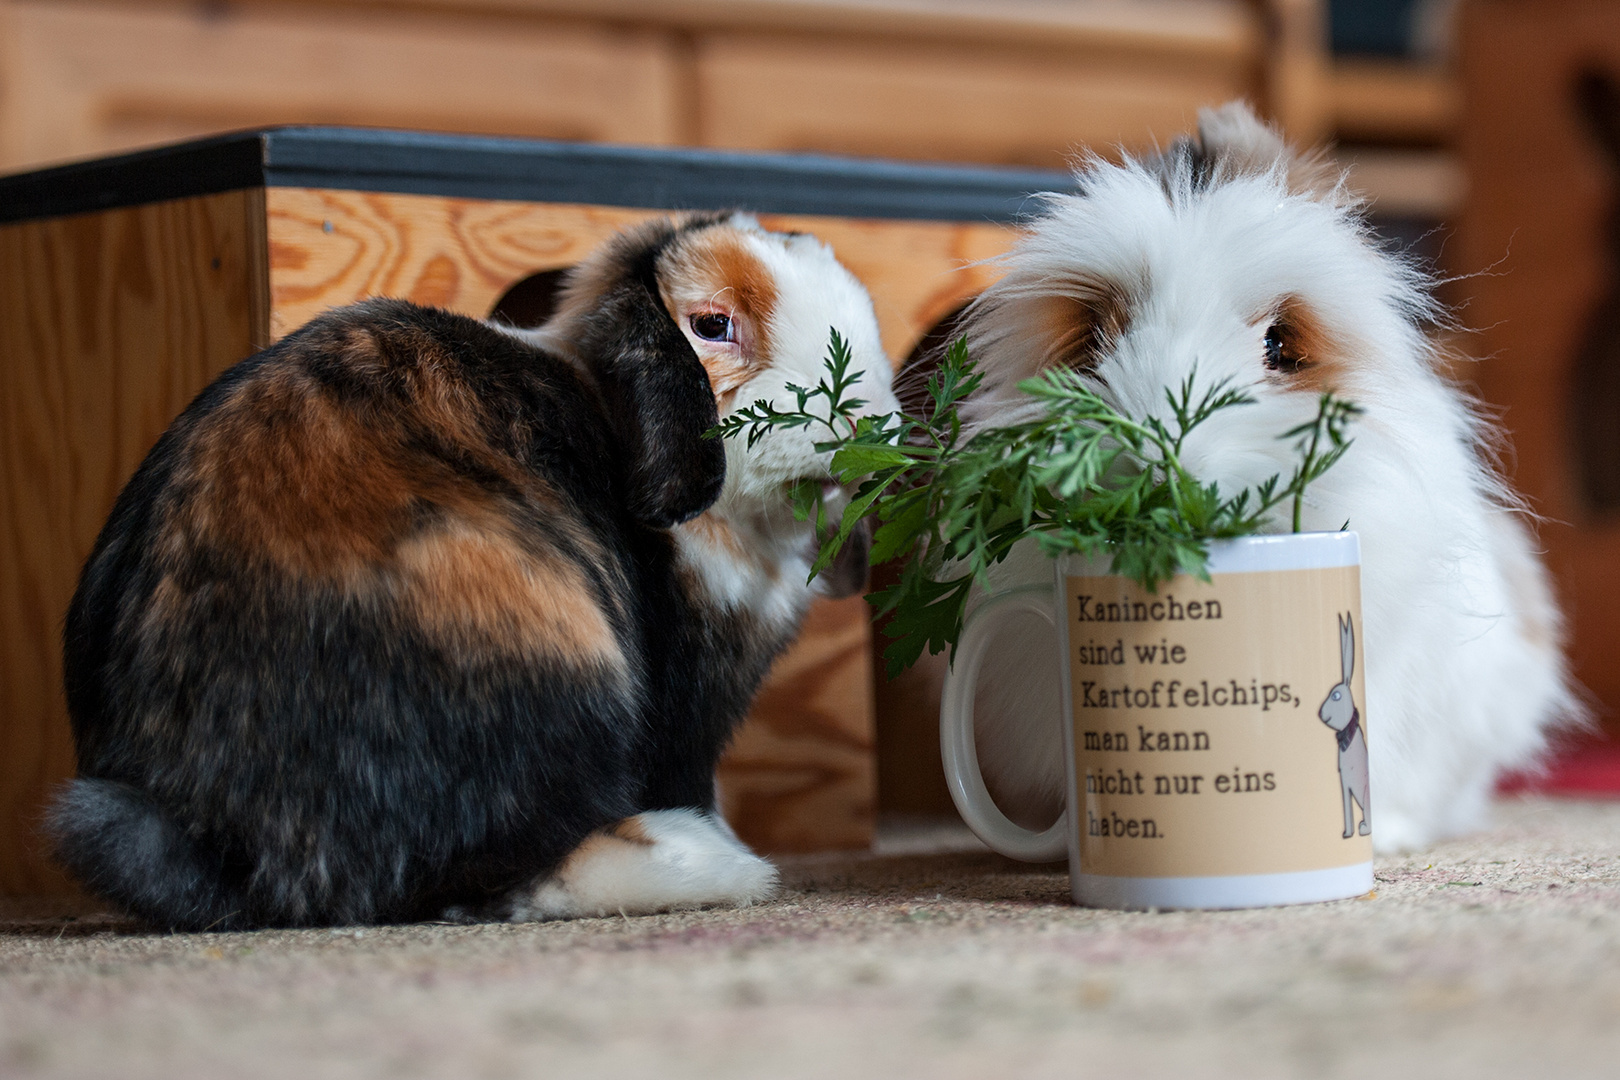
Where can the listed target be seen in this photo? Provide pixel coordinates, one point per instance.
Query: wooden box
(127, 284)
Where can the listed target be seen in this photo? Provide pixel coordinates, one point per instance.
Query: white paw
(1395, 833)
(662, 860)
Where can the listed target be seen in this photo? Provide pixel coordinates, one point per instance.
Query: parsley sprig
(1082, 477)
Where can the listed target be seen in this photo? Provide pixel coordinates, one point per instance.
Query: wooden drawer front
(927, 100)
(86, 79)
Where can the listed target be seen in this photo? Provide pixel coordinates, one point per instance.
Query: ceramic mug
(1215, 733)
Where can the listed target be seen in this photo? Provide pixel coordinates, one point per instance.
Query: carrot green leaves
(1080, 476)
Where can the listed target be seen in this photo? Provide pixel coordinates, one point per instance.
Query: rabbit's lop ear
(656, 391)
(1235, 142)
(1347, 645)
(1598, 98)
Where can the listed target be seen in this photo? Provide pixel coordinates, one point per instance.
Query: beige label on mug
(1200, 747)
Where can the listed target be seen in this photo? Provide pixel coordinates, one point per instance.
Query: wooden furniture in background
(1003, 81)
(1392, 118)
(125, 286)
(999, 81)
(1006, 81)
(1537, 236)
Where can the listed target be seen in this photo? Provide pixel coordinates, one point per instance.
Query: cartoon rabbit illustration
(1339, 712)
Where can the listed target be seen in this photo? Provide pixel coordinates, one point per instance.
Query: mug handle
(961, 756)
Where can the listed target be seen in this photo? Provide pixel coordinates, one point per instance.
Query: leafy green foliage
(1083, 478)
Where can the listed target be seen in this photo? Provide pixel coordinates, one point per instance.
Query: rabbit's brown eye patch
(1077, 330)
(1295, 344)
(715, 266)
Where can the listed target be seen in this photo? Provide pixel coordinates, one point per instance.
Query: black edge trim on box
(529, 170)
(205, 167)
(661, 178)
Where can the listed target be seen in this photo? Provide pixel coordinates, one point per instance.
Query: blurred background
(999, 81)
(1485, 135)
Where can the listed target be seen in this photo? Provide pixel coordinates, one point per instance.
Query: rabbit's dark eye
(1283, 352)
(713, 326)
(1275, 360)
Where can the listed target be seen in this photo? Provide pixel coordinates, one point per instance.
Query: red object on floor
(1587, 768)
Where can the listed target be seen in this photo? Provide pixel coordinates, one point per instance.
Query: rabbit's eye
(713, 326)
(1337, 695)
(1283, 352)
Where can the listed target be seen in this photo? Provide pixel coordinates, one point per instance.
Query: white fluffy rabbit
(1233, 255)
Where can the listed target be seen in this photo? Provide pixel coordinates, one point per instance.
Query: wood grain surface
(802, 773)
(329, 248)
(1535, 241)
(109, 324)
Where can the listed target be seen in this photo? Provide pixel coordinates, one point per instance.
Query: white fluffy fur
(814, 293)
(1464, 667)
(677, 859)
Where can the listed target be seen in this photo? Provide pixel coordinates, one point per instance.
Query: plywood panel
(802, 775)
(329, 248)
(918, 272)
(109, 324)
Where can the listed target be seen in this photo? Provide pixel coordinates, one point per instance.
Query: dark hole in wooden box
(531, 301)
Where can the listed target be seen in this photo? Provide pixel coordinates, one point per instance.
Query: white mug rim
(1265, 553)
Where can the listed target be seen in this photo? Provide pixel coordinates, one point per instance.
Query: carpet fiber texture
(1494, 956)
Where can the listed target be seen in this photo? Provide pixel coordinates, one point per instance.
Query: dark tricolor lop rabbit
(413, 614)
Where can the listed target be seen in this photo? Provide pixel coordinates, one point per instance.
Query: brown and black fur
(389, 619)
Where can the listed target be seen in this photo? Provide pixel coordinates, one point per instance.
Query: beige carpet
(1496, 956)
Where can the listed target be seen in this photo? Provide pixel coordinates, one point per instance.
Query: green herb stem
(1083, 477)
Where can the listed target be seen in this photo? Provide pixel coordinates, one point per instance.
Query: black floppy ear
(659, 399)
